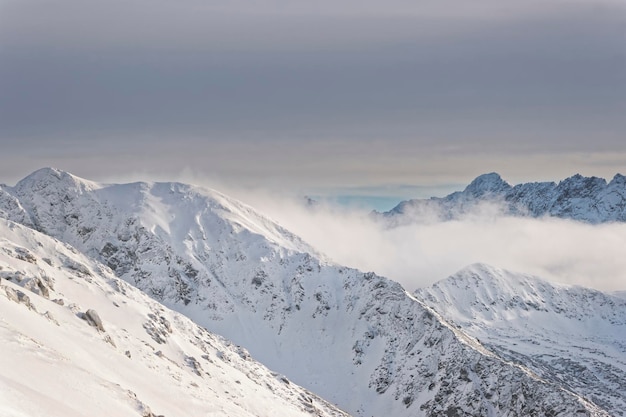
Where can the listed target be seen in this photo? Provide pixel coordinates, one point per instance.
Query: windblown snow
(571, 335)
(356, 339)
(139, 357)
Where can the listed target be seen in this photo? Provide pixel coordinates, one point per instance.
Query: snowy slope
(587, 199)
(573, 336)
(357, 339)
(145, 357)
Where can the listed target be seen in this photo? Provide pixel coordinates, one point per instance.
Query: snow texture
(357, 339)
(587, 199)
(568, 335)
(144, 360)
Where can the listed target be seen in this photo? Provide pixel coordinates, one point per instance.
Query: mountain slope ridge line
(586, 199)
(140, 357)
(355, 338)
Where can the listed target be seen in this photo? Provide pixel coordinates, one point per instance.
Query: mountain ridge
(357, 339)
(571, 334)
(587, 199)
(78, 341)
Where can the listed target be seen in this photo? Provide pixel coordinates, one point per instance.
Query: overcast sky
(331, 96)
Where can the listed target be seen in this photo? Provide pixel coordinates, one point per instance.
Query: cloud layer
(418, 255)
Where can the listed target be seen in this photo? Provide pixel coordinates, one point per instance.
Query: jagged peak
(579, 180)
(580, 198)
(487, 183)
(618, 179)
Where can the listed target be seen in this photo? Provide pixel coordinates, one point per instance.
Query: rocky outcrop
(356, 338)
(586, 199)
(93, 319)
(18, 297)
(567, 335)
(194, 373)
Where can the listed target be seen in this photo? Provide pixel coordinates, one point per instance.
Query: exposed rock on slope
(53, 364)
(571, 336)
(357, 339)
(587, 199)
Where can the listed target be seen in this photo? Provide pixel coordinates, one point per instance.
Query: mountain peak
(557, 330)
(487, 184)
(46, 177)
(618, 179)
(486, 282)
(243, 276)
(579, 182)
(46, 173)
(488, 291)
(586, 199)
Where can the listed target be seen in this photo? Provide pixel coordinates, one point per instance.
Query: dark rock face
(487, 184)
(356, 338)
(586, 199)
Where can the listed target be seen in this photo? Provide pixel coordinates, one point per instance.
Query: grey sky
(313, 95)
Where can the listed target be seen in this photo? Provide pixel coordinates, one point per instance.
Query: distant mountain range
(586, 199)
(356, 339)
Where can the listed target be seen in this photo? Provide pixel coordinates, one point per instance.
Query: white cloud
(418, 255)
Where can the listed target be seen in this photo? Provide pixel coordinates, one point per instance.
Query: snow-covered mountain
(357, 339)
(587, 199)
(572, 336)
(77, 341)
